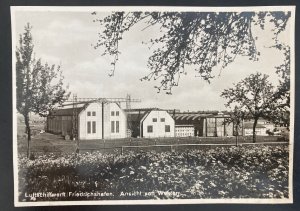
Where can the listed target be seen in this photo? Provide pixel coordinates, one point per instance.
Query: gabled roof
(69, 111)
(139, 115)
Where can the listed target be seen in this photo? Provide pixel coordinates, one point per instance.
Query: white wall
(158, 127)
(108, 118)
(84, 118)
(258, 131)
(108, 108)
(184, 131)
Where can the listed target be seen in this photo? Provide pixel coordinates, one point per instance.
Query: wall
(216, 127)
(258, 131)
(159, 126)
(184, 130)
(108, 118)
(84, 118)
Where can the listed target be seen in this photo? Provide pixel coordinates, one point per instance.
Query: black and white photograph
(153, 105)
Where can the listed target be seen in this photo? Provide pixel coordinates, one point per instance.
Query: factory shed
(216, 126)
(189, 124)
(96, 120)
(150, 123)
(60, 121)
(202, 124)
(259, 129)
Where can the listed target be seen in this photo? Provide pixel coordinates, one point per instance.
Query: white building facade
(102, 121)
(98, 120)
(157, 123)
(184, 130)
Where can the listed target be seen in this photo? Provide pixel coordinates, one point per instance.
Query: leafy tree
(39, 86)
(254, 95)
(281, 114)
(203, 40)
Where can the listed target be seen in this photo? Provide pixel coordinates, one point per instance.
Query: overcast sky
(66, 38)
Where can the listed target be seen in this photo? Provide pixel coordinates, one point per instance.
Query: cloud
(66, 38)
(58, 33)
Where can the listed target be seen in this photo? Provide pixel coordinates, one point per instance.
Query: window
(162, 119)
(94, 113)
(112, 126)
(88, 127)
(112, 113)
(211, 127)
(150, 129)
(154, 119)
(89, 113)
(167, 128)
(94, 126)
(117, 126)
(117, 113)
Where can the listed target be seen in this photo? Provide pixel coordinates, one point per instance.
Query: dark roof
(134, 118)
(137, 116)
(134, 110)
(194, 118)
(65, 112)
(249, 125)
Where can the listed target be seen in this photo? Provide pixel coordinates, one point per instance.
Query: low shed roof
(65, 112)
(136, 117)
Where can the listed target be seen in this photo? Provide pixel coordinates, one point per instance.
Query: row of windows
(115, 126)
(161, 119)
(150, 128)
(91, 127)
(93, 113)
(113, 113)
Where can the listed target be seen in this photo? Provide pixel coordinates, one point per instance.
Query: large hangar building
(94, 121)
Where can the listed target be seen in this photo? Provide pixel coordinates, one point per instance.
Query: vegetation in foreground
(221, 172)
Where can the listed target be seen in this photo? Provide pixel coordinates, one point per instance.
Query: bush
(222, 172)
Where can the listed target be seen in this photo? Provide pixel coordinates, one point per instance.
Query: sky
(67, 38)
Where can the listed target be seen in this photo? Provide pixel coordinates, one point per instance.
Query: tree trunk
(28, 131)
(236, 135)
(254, 133)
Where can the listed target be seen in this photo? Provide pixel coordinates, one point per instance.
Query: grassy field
(50, 143)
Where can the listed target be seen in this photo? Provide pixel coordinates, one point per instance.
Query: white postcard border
(292, 9)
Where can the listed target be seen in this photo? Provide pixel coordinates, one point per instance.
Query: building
(189, 124)
(267, 124)
(94, 121)
(150, 123)
(202, 124)
(262, 127)
(184, 130)
(259, 130)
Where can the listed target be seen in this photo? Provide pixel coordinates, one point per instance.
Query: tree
(237, 116)
(203, 40)
(281, 114)
(254, 95)
(39, 86)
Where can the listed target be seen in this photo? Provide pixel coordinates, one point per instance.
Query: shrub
(221, 172)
